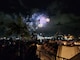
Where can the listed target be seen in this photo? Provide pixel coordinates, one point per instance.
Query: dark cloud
(65, 23)
(64, 14)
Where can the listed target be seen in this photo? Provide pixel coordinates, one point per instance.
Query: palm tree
(2, 28)
(18, 28)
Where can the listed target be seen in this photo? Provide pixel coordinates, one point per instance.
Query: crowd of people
(18, 50)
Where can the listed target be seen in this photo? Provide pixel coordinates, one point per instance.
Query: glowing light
(37, 19)
(42, 20)
(40, 25)
(47, 20)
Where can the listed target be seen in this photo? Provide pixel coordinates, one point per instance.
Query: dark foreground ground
(17, 50)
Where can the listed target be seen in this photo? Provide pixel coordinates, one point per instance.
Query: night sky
(64, 14)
